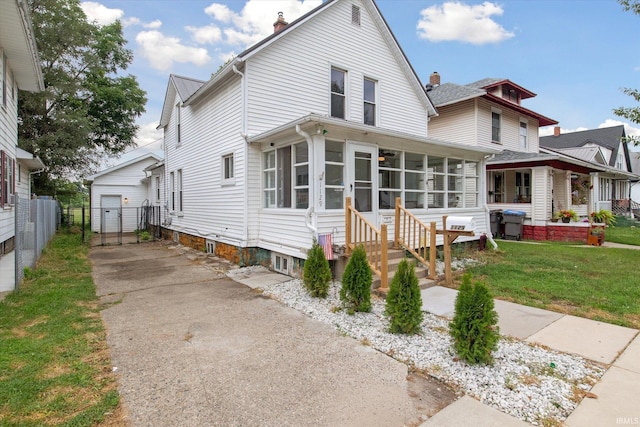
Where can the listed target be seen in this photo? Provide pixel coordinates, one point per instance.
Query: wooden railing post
(347, 225)
(396, 233)
(447, 253)
(384, 258)
(432, 251)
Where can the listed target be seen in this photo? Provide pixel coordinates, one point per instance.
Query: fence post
(432, 251)
(83, 225)
(447, 253)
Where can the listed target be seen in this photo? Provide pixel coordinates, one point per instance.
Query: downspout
(483, 192)
(243, 133)
(308, 215)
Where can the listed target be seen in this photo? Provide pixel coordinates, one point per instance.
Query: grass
(594, 282)
(54, 364)
(623, 232)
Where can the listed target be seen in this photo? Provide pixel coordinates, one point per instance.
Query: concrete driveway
(194, 348)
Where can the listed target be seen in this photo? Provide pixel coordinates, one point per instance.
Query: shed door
(110, 212)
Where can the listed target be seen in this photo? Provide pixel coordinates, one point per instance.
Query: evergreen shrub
(473, 328)
(356, 282)
(404, 303)
(317, 273)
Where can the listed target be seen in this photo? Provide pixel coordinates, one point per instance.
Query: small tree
(317, 273)
(473, 328)
(404, 303)
(356, 282)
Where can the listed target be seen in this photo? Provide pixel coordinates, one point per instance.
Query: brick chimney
(556, 131)
(434, 79)
(280, 23)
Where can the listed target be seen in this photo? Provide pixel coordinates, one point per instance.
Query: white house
(260, 158)
(117, 195)
(19, 70)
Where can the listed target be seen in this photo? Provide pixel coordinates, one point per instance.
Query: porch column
(594, 193)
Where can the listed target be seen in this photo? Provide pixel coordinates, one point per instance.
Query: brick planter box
(577, 232)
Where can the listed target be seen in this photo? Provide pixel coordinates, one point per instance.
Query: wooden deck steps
(395, 256)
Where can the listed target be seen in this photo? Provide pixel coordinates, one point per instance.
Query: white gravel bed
(529, 382)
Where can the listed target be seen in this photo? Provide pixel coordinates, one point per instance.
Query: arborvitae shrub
(473, 328)
(404, 302)
(317, 273)
(356, 282)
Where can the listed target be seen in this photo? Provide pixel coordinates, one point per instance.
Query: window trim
(499, 127)
(374, 102)
(179, 184)
(172, 187)
(345, 85)
(227, 175)
(178, 128)
(524, 122)
(4, 79)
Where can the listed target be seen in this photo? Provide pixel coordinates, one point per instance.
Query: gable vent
(355, 15)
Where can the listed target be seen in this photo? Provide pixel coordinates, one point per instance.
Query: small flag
(326, 241)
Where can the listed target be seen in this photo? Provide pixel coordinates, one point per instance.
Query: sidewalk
(614, 346)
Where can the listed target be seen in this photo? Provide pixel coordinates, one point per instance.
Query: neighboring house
(19, 70)
(525, 176)
(635, 168)
(607, 184)
(117, 195)
(260, 158)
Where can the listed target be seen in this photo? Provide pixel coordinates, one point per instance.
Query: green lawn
(594, 282)
(54, 361)
(623, 232)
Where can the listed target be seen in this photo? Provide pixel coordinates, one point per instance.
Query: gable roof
(590, 153)
(609, 137)
(382, 24)
(141, 158)
(452, 93)
(18, 42)
(184, 87)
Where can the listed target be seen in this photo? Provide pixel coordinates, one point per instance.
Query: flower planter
(566, 220)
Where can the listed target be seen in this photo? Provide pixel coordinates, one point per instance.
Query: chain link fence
(37, 220)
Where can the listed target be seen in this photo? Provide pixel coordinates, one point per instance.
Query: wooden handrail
(413, 235)
(359, 231)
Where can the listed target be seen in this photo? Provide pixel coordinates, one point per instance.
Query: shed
(117, 193)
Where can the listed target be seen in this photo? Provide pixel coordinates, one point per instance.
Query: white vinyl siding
(283, 87)
(456, 123)
(210, 129)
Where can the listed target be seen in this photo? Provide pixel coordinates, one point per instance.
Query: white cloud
(255, 20)
(149, 137)
(206, 35)
(219, 12)
(162, 51)
(127, 22)
(628, 129)
(455, 21)
(100, 14)
(153, 25)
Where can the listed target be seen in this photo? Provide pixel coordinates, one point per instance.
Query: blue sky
(576, 55)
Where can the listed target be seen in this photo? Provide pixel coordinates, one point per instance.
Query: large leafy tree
(630, 113)
(88, 110)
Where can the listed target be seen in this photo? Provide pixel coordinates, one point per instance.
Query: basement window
(280, 263)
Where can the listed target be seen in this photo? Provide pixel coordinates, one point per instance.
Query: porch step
(421, 272)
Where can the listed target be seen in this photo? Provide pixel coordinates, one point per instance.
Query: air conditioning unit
(12, 199)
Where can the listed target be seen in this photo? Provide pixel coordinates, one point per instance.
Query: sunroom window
(280, 167)
(334, 173)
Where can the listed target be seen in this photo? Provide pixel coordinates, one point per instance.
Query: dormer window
(510, 94)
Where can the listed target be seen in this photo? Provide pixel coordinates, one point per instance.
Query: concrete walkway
(614, 346)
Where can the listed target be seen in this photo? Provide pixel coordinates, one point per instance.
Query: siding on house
(210, 129)
(292, 77)
(8, 139)
(456, 122)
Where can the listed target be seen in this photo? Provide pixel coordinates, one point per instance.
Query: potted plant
(603, 216)
(567, 215)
